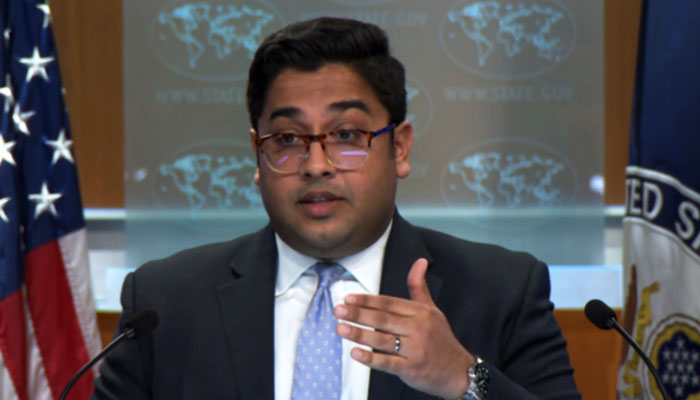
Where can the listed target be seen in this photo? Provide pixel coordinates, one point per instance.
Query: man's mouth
(320, 204)
(318, 197)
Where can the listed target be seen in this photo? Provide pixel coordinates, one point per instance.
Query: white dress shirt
(294, 289)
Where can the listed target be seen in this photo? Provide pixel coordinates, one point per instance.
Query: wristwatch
(478, 374)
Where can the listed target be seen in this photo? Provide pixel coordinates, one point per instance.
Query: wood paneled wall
(621, 32)
(89, 43)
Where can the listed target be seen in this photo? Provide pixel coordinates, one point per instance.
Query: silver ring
(397, 345)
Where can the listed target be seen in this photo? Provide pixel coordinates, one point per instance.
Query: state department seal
(674, 347)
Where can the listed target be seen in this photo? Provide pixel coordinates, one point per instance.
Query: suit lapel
(403, 248)
(246, 305)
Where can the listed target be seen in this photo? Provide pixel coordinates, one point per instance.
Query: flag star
(44, 201)
(61, 148)
(7, 92)
(47, 14)
(37, 65)
(20, 119)
(3, 216)
(5, 154)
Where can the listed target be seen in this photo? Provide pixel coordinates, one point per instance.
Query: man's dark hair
(308, 45)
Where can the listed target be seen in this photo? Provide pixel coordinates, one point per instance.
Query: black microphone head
(142, 322)
(600, 314)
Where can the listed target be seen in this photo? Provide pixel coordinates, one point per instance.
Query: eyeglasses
(344, 148)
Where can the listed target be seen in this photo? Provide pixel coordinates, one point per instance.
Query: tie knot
(328, 273)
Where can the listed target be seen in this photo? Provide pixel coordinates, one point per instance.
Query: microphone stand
(644, 357)
(128, 333)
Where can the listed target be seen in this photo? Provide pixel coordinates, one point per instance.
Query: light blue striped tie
(318, 368)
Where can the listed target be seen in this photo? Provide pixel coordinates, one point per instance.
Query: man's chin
(325, 244)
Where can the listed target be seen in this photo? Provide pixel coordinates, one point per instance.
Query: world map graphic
(508, 40)
(489, 24)
(223, 28)
(510, 180)
(209, 182)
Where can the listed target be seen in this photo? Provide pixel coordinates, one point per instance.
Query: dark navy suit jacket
(216, 309)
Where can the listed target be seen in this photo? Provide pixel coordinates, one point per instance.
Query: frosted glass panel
(506, 98)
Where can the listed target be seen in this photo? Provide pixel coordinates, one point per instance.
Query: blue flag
(661, 253)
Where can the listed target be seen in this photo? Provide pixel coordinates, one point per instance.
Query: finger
(417, 286)
(394, 305)
(381, 341)
(383, 362)
(377, 319)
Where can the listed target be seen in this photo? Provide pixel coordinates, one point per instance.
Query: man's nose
(317, 164)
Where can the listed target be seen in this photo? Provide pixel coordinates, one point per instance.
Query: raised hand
(410, 338)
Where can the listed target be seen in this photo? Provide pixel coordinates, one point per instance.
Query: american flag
(47, 318)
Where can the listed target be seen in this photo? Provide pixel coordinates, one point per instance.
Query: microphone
(139, 324)
(602, 316)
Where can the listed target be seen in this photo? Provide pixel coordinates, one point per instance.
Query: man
(422, 315)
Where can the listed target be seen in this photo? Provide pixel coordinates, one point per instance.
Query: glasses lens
(347, 148)
(284, 152)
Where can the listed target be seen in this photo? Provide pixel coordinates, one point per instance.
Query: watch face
(479, 381)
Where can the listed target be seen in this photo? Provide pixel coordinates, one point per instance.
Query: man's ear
(403, 141)
(256, 175)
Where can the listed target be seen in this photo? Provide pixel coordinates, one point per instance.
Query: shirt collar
(365, 266)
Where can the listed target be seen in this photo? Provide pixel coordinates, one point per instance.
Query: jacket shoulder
(456, 251)
(209, 261)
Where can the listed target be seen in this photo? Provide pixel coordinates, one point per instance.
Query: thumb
(417, 286)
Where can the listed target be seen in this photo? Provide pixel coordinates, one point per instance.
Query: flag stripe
(7, 387)
(57, 329)
(37, 384)
(13, 341)
(74, 253)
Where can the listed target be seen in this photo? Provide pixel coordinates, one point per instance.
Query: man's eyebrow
(348, 104)
(288, 112)
(340, 106)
